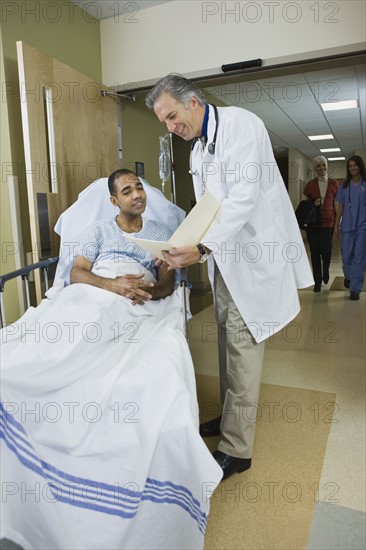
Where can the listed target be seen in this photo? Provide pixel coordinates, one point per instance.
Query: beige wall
(361, 153)
(6, 236)
(62, 30)
(142, 145)
(189, 36)
(300, 171)
(337, 169)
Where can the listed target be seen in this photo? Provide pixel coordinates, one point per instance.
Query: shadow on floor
(6, 544)
(199, 300)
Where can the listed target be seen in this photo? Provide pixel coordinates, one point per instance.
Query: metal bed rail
(185, 286)
(44, 265)
(24, 273)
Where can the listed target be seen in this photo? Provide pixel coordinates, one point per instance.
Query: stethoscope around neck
(211, 146)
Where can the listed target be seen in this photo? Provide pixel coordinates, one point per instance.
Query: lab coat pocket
(264, 254)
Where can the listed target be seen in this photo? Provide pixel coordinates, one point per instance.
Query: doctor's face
(184, 121)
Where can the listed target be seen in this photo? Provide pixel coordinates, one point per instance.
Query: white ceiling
(116, 8)
(288, 105)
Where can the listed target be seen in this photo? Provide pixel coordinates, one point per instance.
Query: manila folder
(191, 230)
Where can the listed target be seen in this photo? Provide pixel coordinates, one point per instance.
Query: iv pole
(167, 164)
(183, 283)
(172, 168)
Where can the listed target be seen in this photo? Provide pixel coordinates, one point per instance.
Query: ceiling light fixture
(325, 136)
(331, 150)
(340, 105)
(337, 158)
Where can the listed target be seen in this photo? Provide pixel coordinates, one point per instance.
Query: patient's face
(129, 196)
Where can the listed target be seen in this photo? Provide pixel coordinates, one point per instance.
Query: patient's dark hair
(113, 178)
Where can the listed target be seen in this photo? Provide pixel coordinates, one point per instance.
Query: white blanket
(99, 431)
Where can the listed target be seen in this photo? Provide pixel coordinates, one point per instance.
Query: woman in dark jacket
(322, 190)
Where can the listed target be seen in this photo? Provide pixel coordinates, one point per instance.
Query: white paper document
(190, 231)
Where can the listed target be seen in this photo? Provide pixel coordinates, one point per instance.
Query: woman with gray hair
(322, 191)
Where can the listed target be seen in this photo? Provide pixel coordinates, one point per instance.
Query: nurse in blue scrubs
(351, 199)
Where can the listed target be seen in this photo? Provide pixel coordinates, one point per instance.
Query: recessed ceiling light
(325, 136)
(339, 105)
(331, 150)
(337, 158)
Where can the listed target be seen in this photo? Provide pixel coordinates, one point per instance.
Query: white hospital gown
(105, 241)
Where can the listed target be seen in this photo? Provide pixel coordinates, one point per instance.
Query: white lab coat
(255, 238)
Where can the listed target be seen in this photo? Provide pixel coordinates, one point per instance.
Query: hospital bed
(93, 204)
(99, 415)
(25, 273)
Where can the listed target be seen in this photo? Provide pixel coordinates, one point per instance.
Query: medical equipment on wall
(166, 163)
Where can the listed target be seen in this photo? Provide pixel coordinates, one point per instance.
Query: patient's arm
(130, 286)
(165, 284)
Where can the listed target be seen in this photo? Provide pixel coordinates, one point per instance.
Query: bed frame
(44, 266)
(24, 273)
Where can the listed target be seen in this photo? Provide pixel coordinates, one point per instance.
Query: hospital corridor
(182, 275)
(306, 487)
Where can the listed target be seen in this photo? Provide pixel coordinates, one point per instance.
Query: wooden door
(70, 133)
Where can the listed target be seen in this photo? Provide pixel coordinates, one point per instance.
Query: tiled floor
(323, 349)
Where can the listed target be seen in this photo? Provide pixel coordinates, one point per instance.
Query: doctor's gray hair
(320, 158)
(178, 87)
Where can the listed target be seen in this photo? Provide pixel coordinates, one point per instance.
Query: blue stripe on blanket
(94, 495)
(155, 489)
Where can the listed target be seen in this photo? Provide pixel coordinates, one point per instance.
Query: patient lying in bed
(99, 419)
(108, 260)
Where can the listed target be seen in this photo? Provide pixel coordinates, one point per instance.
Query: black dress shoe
(354, 296)
(317, 287)
(231, 464)
(347, 283)
(326, 278)
(210, 428)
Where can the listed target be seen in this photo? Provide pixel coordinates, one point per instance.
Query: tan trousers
(240, 362)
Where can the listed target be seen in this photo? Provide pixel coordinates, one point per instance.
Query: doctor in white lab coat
(256, 256)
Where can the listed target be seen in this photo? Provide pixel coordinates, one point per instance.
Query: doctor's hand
(160, 263)
(177, 258)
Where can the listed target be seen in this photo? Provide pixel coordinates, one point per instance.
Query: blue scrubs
(353, 229)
